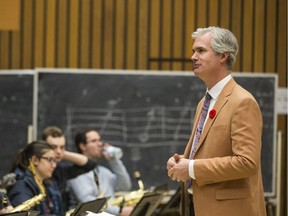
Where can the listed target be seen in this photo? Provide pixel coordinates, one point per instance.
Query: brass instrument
(132, 198)
(28, 204)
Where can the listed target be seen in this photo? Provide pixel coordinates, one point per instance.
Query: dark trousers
(190, 205)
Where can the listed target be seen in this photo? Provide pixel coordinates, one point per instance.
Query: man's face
(205, 61)
(58, 144)
(94, 147)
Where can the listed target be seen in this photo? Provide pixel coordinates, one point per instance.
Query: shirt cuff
(191, 169)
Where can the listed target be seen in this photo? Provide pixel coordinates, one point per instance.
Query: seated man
(79, 163)
(101, 181)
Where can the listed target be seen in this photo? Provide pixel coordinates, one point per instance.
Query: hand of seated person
(6, 209)
(126, 210)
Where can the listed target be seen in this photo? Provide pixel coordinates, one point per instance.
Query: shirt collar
(216, 89)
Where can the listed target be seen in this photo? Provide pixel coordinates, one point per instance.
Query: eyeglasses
(94, 140)
(50, 160)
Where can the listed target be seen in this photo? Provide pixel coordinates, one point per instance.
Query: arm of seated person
(75, 158)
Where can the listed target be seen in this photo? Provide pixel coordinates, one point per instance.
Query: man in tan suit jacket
(225, 170)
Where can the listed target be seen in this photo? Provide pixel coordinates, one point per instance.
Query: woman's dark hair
(35, 148)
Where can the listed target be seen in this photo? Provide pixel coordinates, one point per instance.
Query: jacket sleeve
(19, 193)
(72, 171)
(233, 144)
(123, 181)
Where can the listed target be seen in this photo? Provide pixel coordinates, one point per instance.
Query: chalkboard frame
(16, 116)
(161, 73)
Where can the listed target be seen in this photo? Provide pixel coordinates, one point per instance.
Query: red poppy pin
(212, 113)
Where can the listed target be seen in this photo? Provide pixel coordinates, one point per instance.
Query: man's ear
(224, 56)
(82, 147)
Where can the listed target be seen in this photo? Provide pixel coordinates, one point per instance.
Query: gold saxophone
(28, 204)
(132, 198)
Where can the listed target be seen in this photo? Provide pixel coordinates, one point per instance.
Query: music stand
(33, 213)
(92, 206)
(147, 204)
(172, 205)
(21, 213)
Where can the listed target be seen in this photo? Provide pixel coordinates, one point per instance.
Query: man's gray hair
(222, 41)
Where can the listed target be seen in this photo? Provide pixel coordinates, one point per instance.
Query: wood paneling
(61, 34)
(119, 35)
(50, 42)
(9, 15)
(154, 34)
(39, 33)
(27, 34)
(96, 40)
(165, 34)
(258, 47)
(4, 49)
(108, 33)
(73, 48)
(142, 34)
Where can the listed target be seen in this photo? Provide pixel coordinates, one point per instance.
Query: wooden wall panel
(15, 50)
(120, 24)
(108, 40)
(213, 13)
(27, 34)
(146, 34)
(258, 47)
(143, 35)
(189, 12)
(281, 55)
(9, 14)
(177, 36)
(225, 13)
(84, 33)
(73, 49)
(50, 39)
(270, 42)
(201, 15)
(132, 29)
(165, 29)
(247, 47)
(96, 33)
(61, 33)
(154, 38)
(39, 32)
(236, 26)
(4, 50)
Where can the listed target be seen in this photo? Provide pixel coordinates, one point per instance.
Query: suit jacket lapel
(221, 101)
(196, 119)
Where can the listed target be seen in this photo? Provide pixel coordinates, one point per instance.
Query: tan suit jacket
(227, 161)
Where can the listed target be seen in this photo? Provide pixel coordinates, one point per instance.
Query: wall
(145, 34)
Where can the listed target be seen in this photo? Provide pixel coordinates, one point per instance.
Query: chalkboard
(148, 114)
(16, 108)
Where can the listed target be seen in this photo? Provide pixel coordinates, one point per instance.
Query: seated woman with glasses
(34, 166)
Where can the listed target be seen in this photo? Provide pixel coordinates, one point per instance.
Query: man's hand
(177, 167)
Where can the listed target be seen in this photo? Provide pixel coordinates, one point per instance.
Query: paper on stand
(98, 214)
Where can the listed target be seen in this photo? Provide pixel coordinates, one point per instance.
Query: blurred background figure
(33, 167)
(100, 181)
(69, 164)
(5, 205)
(7, 181)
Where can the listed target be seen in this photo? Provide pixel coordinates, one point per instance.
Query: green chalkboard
(149, 114)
